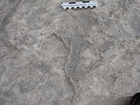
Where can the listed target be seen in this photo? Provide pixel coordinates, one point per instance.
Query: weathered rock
(39, 41)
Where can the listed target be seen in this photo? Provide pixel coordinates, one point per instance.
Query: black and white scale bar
(76, 5)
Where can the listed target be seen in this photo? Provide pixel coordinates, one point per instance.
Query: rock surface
(51, 56)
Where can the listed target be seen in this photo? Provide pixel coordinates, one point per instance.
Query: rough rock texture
(51, 56)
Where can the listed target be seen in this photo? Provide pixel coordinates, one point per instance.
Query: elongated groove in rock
(73, 85)
(74, 53)
(70, 67)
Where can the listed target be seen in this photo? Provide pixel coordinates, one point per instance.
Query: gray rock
(2, 101)
(99, 48)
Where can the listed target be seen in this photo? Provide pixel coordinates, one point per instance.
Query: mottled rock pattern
(99, 48)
